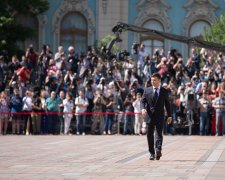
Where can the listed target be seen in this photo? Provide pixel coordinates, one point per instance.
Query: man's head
(62, 94)
(71, 49)
(156, 80)
(16, 91)
(53, 94)
(221, 94)
(2, 58)
(81, 93)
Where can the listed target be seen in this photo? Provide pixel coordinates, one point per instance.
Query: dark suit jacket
(156, 110)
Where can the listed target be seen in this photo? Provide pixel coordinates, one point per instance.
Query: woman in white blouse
(27, 107)
(68, 109)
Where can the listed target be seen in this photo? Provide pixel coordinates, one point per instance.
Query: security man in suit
(154, 99)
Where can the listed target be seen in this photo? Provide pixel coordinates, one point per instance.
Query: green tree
(216, 33)
(11, 31)
(105, 40)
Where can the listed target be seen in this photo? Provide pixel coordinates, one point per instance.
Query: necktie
(156, 95)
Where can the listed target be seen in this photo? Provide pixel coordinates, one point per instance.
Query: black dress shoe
(158, 155)
(152, 157)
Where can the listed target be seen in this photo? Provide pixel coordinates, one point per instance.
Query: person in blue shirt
(16, 104)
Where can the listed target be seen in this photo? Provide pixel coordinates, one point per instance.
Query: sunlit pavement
(110, 157)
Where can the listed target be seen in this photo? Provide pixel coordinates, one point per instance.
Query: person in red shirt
(24, 73)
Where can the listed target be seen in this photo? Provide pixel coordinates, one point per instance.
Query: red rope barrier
(75, 113)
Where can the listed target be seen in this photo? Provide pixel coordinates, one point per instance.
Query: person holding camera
(102, 86)
(24, 73)
(35, 116)
(128, 65)
(163, 69)
(110, 115)
(204, 104)
(153, 101)
(128, 118)
(72, 60)
(43, 63)
(98, 118)
(31, 56)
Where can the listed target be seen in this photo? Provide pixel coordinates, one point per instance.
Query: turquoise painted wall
(221, 8)
(53, 5)
(176, 13)
(132, 11)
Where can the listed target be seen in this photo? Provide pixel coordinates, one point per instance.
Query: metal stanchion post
(118, 123)
(190, 120)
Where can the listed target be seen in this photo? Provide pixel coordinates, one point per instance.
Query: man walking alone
(153, 101)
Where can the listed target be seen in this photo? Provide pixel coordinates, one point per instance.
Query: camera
(191, 97)
(102, 82)
(135, 47)
(14, 77)
(123, 55)
(30, 49)
(156, 53)
(44, 48)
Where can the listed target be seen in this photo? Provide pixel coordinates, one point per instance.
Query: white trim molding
(104, 6)
(42, 23)
(153, 9)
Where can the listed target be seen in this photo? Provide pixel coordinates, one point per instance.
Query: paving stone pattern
(110, 157)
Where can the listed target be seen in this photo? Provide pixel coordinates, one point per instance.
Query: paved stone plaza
(110, 157)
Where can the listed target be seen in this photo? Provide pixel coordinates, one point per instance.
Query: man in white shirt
(81, 104)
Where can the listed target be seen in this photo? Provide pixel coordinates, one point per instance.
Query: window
(74, 32)
(153, 42)
(30, 21)
(196, 29)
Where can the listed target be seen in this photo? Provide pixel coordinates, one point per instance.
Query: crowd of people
(42, 93)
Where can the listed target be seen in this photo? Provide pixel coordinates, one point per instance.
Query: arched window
(74, 31)
(196, 29)
(153, 42)
(30, 21)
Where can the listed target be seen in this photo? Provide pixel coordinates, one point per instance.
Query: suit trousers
(154, 135)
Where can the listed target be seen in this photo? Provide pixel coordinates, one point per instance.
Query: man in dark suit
(154, 99)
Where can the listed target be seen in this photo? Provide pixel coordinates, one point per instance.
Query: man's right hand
(144, 112)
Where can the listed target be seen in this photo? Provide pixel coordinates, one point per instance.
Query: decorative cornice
(43, 20)
(153, 9)
(198, 10)
(142, 3)
(191, 2)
